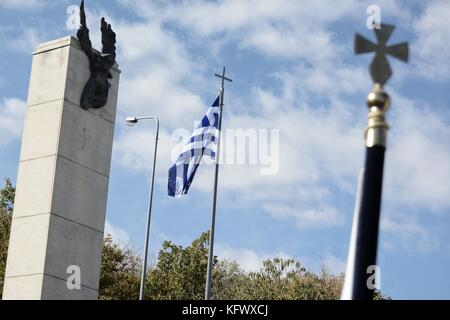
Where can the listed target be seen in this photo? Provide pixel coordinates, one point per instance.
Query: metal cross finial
(379, 68)
(223, 78)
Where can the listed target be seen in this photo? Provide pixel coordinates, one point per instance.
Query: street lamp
(131, 121)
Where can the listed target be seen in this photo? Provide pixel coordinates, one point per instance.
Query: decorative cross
(379, 68)
(223, 79)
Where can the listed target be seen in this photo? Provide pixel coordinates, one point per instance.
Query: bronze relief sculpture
(96, 90)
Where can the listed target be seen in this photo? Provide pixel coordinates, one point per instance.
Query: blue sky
(293, 69)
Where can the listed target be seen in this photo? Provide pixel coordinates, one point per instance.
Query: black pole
(358, 283)
(368, 222)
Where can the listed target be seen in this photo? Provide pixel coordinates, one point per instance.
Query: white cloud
(252, 261)
(333, 263)
(433, 41)
(417, 162)
(135, 150)
(413, 235)
(160, 73)
(307, 218)
(285, 29)
(119, 236)
(280, 28)
(314, 150)
(157, 80)
(23, 5)
(327, 135)
(321, 146)
(12, 113)
(248, 260)
(24, 42)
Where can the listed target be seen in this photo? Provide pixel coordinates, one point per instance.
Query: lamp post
(131, 121)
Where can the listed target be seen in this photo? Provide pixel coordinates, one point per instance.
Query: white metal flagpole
(348, 288)
(216, 176)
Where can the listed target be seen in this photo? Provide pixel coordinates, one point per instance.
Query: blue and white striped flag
(202, 142)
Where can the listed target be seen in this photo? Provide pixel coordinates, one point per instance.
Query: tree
(180, 272)
(120, 272)
(228, 281)
(278, 279)
(6, 207)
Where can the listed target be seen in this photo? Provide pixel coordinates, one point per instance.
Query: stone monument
(62, 184)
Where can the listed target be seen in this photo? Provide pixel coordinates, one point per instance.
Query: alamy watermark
(74, 280)
(73, 21)
(257, 147)
(374, 280)
(374, 19)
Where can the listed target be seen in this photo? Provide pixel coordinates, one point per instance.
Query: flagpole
(362, 259)
(347, 289)
(214, 202)
(365, 254)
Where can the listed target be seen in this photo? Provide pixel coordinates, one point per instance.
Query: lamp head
(131, 121)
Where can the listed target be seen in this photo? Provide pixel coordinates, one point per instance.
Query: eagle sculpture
(96, 90)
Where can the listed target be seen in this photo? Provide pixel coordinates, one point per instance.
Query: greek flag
(202, 142)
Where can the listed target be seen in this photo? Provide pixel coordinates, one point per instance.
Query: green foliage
(278, 279)
(228, 281)
(180, 272)
(120, 272)
(7, 195)
(6, 208)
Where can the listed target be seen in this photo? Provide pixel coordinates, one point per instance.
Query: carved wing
(108, 42)
(83, 33)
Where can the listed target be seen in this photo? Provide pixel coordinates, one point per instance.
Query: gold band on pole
(378, 102)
